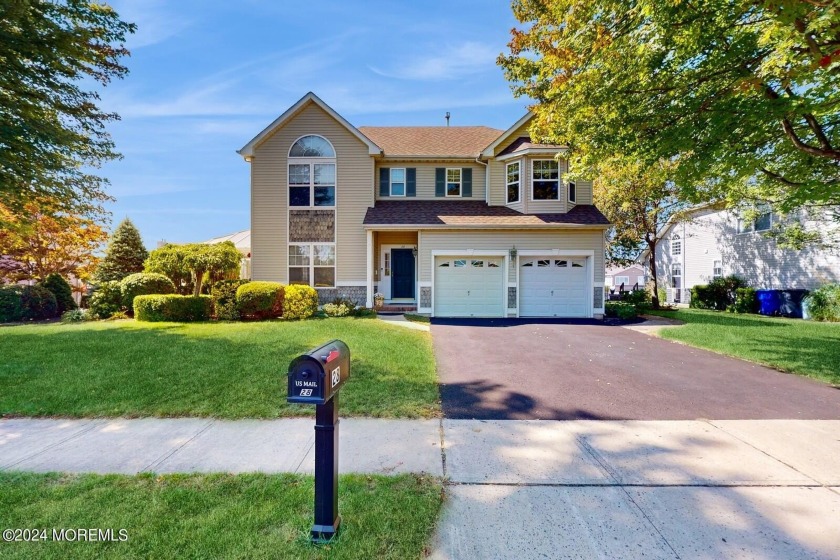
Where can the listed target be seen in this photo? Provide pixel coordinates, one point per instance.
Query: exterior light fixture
(513, 252)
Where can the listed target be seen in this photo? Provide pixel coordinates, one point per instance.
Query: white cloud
(156, 21)
(447, 63)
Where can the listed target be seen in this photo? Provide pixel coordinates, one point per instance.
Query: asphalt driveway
(549, 370)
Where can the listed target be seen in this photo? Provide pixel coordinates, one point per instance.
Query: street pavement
(519, 489)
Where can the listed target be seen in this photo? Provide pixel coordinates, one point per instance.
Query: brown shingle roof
(524, 143)
(458, 141)
(472, 213)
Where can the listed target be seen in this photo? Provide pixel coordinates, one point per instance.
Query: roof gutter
(486, 178)
(483, 226)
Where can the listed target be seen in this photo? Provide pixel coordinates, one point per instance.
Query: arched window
(312, 146)
(676, 245)
(312, 172)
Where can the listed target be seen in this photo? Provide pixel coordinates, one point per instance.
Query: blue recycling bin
(769, 302)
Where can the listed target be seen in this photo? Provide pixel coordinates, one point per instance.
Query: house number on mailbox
(336, 376)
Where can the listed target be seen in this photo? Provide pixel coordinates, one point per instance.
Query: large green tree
(744, 93)
(193, 263)
(639, 200)
(52, 131)
(125, 253)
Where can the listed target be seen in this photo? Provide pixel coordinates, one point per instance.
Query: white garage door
(553, 287)
(469, 287)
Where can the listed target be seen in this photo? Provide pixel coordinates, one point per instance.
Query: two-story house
(711, 243)
(461, 221)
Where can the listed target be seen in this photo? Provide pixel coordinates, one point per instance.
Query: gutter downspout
(486, 178)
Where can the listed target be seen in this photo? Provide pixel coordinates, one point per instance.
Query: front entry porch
(393, 265)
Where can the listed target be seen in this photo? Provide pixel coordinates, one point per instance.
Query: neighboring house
(631, 276)
(242, 242)
(455, 221)
(715, 243)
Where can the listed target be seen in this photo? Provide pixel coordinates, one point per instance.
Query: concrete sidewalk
(520, 489)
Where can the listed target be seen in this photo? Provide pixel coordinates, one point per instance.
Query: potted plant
(378, 300)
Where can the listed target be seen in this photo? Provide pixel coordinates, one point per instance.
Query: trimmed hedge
(260, 300)
(746, 301)
(224, 299)
(106, 300)
(620, 309)
(11, 309)
(301, 302)
(718, 294)
(62, 292)
(172, 307)
(38, 303)
(144, 283)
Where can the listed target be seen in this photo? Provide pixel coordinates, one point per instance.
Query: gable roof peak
(247, 151)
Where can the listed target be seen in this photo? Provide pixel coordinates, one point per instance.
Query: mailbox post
(316, 378)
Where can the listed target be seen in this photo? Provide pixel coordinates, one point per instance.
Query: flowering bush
(301, 302)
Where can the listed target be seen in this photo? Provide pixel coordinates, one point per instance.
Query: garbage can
(768, 302)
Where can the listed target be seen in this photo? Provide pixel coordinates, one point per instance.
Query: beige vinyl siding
(498, 187)
(584, 193)
(504, 240)
(426, 178)
(269, 197)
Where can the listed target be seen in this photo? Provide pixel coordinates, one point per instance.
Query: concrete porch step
(395, 308)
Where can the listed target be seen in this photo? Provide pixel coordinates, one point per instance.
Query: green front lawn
(792, 345)
(225, 370)
(217, 516)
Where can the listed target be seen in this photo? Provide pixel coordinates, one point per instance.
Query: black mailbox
(315, 377)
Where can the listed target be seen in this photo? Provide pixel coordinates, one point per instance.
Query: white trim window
(619, 280)
(717, 269)
(762, 222)
(676, 275)
(311, 176)
(397, 181)
(312, 264)
(453, 181)
(545, 183)
(676, 245)
(513, 181)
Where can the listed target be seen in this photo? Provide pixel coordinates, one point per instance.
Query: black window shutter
(466, 182)
(384, 181)
(440, 181)
(411, 181)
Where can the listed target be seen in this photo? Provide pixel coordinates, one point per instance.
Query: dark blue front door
(402, 273)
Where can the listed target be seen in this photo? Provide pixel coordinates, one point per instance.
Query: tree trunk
(199, 278)
(654, 299)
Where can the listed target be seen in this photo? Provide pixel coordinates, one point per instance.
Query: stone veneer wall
(356, 294)
(511, 297)
(426, 296)
(598, 301)
(311, 226)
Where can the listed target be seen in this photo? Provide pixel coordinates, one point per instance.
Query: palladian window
(312, 172)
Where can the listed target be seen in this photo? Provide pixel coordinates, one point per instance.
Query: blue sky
(205, 77)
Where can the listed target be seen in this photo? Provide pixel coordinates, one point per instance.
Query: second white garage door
(553, 287)
(469, 287)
